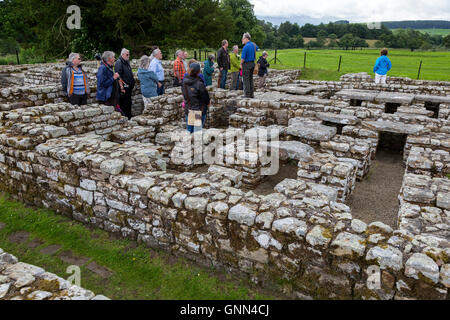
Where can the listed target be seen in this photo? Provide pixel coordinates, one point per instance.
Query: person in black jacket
(195, 95)
(127, 82)
(262, 71)
(223, 61)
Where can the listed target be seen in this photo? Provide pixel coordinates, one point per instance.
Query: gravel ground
(376, 197)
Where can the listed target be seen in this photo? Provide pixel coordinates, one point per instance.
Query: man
(74, 81)
(125, 71)
(235, 68)
(223, 61)
(248, 57)
(157, 68)
(178, 69)
(185, 56)
(382, 66)
(107, 88)
(153, 50)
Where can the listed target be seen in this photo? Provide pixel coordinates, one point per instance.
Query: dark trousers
(247, 74)
(76, 99)
(160, 90)
(234, 80)
(223, 78)
(125, 102)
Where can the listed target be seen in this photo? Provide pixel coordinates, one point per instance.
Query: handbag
(256, 70)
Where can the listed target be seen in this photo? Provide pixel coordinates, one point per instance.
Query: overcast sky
(356, 10)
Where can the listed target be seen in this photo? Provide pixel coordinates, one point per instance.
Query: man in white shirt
(157, 68)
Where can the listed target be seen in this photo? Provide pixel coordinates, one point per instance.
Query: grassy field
(435, 65)
(132, 271)
(442, 32)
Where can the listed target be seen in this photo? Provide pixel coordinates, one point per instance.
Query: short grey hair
(73, 55)
(235, 47)
(144, 62)
(265, 53)
(107, 54)
(155, 52)
(247, 36)
(224, 42)
(124, 51)
(179, 52)
(211, 57)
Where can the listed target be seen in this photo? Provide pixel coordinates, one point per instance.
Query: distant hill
(417, 24)
(300, 20)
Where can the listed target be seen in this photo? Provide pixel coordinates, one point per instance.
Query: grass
(138, 272)
(323, 64)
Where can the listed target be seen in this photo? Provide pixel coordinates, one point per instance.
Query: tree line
(40, 27)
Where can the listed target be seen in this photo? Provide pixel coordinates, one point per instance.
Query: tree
(346, 41)
(243, 20)
(446, 41)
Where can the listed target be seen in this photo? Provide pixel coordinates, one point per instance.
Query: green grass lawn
(137, 272)
(323, 64)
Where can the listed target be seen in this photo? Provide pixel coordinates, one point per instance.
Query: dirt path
(376, 197)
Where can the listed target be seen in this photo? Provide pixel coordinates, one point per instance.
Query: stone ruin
(139, 178)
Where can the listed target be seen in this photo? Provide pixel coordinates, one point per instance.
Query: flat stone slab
(306, 100)
(364, 95)
(70, 258)
(337, 118)
(99, 270)
(311, 131)
(395, 97)
(394, 127)
(290, 150)
(50, 249)
(432, 98)
(19, 237)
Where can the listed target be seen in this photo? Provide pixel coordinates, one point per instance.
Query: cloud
(356, 10)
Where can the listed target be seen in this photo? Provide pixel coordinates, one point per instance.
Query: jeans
(193, 129)
(223, 79)
(160, 90)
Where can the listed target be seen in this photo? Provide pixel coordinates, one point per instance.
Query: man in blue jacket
(106, 81)
(382, 66)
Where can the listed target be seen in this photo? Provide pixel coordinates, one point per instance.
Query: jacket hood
(190, 80)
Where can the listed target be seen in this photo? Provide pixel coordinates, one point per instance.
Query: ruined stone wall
(302, 232)
(23, 281)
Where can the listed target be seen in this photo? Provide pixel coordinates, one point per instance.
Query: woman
(188, 70)
(107, 86)
(197, 99)
(208, 70)
(148, 79)
(262, 71)
(382, 66)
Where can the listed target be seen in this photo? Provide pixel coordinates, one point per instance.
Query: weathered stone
(348, 244)
(421, 265)
(389, 257)
(242, 214)
(319, 236)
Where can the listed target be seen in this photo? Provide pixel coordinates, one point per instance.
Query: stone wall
(22, 281)
(94, 166)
